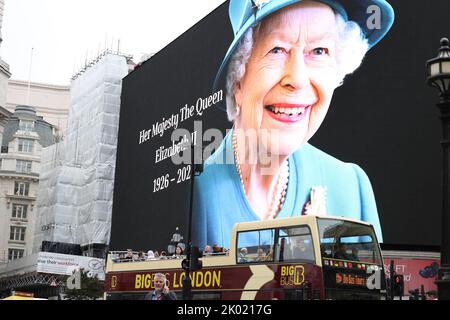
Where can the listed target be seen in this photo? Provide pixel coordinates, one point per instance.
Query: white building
(24, 136)
(74, 200)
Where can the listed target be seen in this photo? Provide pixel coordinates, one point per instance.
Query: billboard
(375, 157)
(416, 272)
(65, 264)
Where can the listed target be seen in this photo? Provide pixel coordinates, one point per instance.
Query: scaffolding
(74, 202)
(32, 280)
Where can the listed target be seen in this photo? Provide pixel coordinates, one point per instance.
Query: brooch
(317, 205)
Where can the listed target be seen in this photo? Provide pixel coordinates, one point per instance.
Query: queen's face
(290, 77)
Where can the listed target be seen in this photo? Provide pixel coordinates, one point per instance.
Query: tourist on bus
(243, 255)
(121, 257)
(216, 249)
(161, 291)
(301, 249)
(341, 252)
(280, 73)
(150, 255)
(178, 253)
(207, 251)
(141, 256)
(130, 256)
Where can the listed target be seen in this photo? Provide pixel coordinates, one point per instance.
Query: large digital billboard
(258, 86)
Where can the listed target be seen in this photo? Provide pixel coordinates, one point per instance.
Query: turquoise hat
(246, 13)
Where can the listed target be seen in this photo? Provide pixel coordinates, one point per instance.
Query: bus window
(295, 244)
(344, 240)
(255, 246)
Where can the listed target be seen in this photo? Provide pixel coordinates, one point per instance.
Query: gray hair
(351, 49)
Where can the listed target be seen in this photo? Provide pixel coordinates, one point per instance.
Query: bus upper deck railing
(124, 257)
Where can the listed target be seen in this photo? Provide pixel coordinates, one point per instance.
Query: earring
(238, 111)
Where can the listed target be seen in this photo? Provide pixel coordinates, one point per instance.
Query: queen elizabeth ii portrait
(280, 73)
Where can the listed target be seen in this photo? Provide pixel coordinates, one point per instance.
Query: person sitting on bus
(301, 250)
(178, 253)
(129, 257)
(341, 252)
(141, 256)
(150, 255)
(163, 255)
(218, 250)
(326, 252)
(261, 255)
(243, 255)
(115, 258)
(208, 250)
(269, 254)
(161, 291)
(120, 258)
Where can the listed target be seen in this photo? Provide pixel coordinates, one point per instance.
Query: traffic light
(196, 264)
(399, 285)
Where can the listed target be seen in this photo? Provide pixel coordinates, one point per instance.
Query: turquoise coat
(220, 202)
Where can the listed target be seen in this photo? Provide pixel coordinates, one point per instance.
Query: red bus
(301, 258)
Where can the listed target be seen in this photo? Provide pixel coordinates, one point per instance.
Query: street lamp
(438, 70)
(192, 254)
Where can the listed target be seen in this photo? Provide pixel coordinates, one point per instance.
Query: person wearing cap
(280, 73)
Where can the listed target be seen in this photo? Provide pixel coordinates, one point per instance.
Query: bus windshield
(351, 241)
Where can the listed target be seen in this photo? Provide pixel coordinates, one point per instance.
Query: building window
(21, 188)
(26, 125)
(17, 233)
(19, 211)
(23, 166)
(26, 145)
(14, 254)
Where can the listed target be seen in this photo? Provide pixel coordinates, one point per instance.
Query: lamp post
(191, 251)
(439, 77)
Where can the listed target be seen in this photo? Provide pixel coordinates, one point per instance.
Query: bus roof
(255, 225)
(228, 259)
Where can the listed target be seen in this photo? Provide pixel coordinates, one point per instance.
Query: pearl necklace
(282, 183)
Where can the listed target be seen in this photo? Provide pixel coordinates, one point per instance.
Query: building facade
(71, 209)
(24, 136)
(50, 101)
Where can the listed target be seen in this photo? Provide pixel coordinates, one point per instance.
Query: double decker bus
(302, 258)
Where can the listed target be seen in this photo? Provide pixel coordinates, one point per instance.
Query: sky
(56, 36)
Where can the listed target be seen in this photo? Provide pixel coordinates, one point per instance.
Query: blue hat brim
(350, 10)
